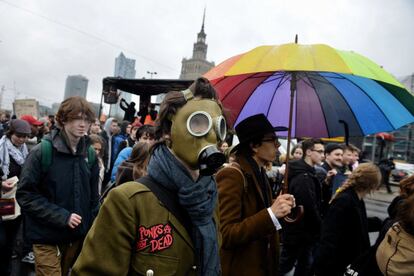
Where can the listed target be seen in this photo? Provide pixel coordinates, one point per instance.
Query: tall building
(197, 65)
(124, 68)
(7, 96)
(55, 108)
(45, 110)
(76, 85)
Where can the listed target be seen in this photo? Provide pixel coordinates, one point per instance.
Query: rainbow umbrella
(315, 90)
(328, 85)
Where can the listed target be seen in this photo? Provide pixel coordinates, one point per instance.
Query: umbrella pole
(285, 188)
(346, 130)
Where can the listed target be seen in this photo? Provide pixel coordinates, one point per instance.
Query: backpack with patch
(47, 155)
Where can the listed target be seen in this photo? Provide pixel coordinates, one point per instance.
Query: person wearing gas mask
(166, 223)
(249, 218)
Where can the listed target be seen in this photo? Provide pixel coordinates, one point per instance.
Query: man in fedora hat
(248, 216)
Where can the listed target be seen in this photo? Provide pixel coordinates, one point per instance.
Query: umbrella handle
(299, 211)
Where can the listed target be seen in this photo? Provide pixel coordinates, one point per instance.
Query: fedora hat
(254, 126)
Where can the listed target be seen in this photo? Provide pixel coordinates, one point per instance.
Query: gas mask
(196, 129)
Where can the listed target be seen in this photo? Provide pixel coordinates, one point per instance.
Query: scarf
(7, 149)
(261, 177)
(198, 198)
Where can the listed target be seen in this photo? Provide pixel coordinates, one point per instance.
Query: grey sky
(43, 41)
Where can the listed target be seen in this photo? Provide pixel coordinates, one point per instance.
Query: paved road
(376, 208)
(377, 204)
(22, 269)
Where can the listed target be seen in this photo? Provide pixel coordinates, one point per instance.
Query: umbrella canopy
(330, 85)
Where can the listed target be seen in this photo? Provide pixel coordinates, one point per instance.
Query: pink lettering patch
(156, 238)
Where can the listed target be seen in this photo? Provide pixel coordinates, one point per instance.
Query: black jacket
(48, 198)
(344, 234)
(105, 155)
(325, 187)
(129, 110)
(305, 187)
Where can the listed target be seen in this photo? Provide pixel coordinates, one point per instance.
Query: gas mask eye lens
(199, 123)
(221, 128)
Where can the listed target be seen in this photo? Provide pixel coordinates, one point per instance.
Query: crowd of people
(166, 193)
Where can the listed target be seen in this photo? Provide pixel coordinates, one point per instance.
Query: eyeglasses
(319, 151)
(273, 140)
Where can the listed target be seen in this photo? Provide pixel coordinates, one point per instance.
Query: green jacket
(133, 233)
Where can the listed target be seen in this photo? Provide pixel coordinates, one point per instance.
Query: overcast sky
(44, 41)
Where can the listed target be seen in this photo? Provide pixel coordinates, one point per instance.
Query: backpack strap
(46, 154)
(91, 157)
(236, 166)
(47, 150)
(170, 201)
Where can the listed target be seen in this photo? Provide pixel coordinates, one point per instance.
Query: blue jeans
(299, 256)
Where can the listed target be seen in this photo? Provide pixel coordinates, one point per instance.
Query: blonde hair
(365, 178)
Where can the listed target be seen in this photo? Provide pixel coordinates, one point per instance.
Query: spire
(204, 18)
(200, 47)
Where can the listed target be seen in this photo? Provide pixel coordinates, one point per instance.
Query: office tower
(124, 68)
(76, 85)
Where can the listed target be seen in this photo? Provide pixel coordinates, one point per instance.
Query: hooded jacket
(122, 156)
(305, 187)
(49, 198)
(118, 139)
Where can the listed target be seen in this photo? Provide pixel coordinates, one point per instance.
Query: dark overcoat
(344, 234)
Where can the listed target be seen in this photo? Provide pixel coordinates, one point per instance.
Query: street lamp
(151, 73)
